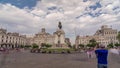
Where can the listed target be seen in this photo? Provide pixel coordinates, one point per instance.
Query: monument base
(62, 46)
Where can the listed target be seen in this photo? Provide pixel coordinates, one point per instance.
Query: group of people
(7, 50)
(3, 49)
(101, 54)
(100, 51)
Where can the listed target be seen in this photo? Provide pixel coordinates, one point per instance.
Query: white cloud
(13, 16)
(29, 21)
(38, 12)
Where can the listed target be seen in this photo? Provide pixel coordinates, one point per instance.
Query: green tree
(22, 46)
(117, 44)
(35, 45)
(81, 45)
(73, 46)
(118, 36)
(44, 45)
(27, 46)
(110, 45)
(69, 45)
(92, 43)
(48, 45)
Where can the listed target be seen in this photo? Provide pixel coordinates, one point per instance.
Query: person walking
(90, 52)
(102, 55)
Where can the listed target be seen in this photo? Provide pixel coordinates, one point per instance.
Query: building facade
(11, 40)
(57, 39)
(42, 37)
(103, 36)
(108, 33)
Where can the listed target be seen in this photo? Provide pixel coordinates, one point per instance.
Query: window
(6, 41)
(3, 36)
(13, 37)
(7, 37)
(2, 40)
(16, 42)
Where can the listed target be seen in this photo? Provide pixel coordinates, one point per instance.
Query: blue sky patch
(94, 7)
(90, 14)
(95, 14)
(78, 16)
(52, 8)
(85, 0)
(21, 3)
(116, 8)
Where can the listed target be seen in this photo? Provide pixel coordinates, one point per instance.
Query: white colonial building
(11, 40)
(108, 33)
(42, 37)
(103, 36)
(57, 39)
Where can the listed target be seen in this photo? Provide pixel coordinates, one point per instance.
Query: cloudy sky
(78, 17)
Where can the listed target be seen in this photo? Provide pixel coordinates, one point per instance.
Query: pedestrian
(101, 54)
(119, 49)
(114, 50)
(90, 52)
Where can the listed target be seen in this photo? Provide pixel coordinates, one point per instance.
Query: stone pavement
(38, 60)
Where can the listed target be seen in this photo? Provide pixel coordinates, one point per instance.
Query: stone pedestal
(59, 41)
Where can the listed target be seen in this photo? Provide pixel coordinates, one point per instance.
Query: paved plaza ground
(37, 60)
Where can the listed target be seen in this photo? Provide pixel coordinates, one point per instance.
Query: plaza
(59, 33)
(25, 59)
